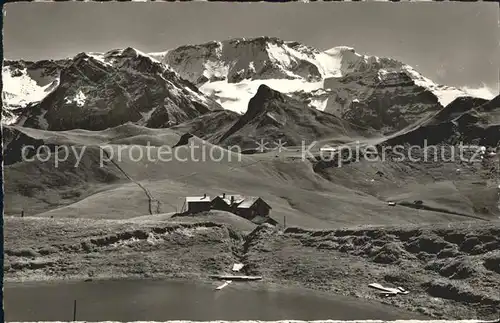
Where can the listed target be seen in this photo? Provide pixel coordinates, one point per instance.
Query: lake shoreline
(339, 262)
(272, 301)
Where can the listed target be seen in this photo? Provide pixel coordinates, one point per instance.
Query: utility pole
(74, 311)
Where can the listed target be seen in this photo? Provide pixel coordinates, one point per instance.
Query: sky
(452, 43)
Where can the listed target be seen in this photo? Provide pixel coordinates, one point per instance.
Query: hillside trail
(154, 205)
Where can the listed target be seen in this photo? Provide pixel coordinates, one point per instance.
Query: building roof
(197, 199)
(248, 202)
(227, 199)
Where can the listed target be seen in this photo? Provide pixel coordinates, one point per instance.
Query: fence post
(74, 310)
(284, 221)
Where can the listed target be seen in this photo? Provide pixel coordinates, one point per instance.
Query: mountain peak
(263, 58)
(262, 40)
(239, 59)
(338, 49)
(114, 87)
(272, 116)
(261, 100)
(264, 93)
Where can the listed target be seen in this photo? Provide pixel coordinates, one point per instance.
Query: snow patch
(79, 98)
(100, 57)
(278, 54)
(42, 122)
(235, 96)
(115, 55)
(483, 92)
(319, 104)
(340, 60)
(251, 67)
(330, 63)
(159, 56)
(139, 53)
(195, 94)
(20, 89)
(381, 74)
(146, 116)
(445, 94)
(215, 69)
(8, 118)
(275, 118)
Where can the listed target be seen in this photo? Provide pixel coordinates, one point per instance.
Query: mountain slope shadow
(273, 117)
(184, 140)
(465, 120)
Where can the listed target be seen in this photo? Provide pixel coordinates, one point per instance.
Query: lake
(159, 300)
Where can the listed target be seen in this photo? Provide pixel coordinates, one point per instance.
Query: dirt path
(154, 204)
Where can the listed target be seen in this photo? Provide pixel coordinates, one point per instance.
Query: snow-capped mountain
(97, 91)
(231, 71)
(26, 83)
(94, 90)
(379, 99)
(239, 59)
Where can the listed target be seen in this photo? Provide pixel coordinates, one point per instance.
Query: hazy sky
(451, 43)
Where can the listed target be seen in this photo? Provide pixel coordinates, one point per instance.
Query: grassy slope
(220, 217)
(457, 187)
(452, 271)
(83, 248)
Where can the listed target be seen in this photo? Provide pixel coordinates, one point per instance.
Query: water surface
(158, 300)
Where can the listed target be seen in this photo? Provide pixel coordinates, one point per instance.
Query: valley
(361, 158)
